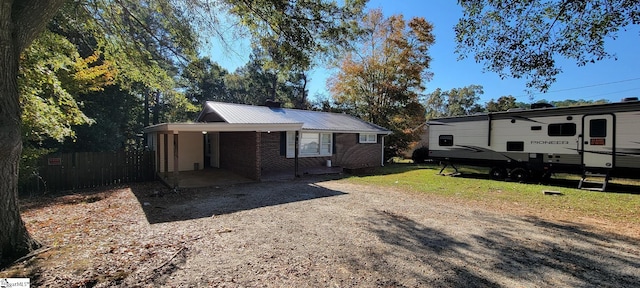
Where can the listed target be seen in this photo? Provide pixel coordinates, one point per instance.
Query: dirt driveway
(329, 233)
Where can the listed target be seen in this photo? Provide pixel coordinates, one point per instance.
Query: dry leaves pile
(97, 237)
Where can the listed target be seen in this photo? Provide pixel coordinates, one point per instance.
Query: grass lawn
(474, 186)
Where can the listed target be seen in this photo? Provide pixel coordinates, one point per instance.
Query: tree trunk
(14, 238)
(146, 108)
(156, 108)
(20, 23)
(274, 87)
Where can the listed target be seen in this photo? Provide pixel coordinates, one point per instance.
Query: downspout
(295, 154)
(176, 162)
(382, 152)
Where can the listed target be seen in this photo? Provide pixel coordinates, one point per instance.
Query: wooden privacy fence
(67, 171)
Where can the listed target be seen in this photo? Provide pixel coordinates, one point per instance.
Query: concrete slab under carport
(212, 177)
(209, 177)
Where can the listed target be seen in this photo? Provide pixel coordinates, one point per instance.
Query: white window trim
(368, 138)
(321, 152)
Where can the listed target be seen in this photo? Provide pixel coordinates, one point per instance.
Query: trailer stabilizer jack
(446, 164)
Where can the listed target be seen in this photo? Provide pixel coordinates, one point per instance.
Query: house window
(291, 144)
(562, 129)
(445, 140)
(311, 144)
(368, 138)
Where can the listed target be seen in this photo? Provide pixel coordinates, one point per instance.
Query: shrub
(420, 155)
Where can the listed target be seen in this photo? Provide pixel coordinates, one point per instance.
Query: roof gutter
(377, 132)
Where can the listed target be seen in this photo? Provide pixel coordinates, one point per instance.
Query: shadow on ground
(425, 254)
(570, 255)
(68, 197)
(163, 205)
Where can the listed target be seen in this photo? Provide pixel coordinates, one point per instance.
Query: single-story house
(249, 140)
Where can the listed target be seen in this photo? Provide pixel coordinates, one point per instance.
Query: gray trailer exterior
(532, 143)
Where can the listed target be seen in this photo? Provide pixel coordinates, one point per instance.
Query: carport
(183, 147)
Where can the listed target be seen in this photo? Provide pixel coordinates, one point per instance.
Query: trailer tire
(498, 173)
(520, 175)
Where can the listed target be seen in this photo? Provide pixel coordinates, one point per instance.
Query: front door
(598, 141)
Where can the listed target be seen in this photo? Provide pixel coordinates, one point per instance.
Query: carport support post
(157, 147)
(295, 153)
(166, 155)
(175, 160)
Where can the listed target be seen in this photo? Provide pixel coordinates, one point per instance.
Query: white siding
(535, 141)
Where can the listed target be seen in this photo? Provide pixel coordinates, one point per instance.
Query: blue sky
(608, 79)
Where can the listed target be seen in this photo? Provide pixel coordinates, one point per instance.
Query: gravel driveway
(325, 233)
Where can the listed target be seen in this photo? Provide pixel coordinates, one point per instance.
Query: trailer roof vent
(629, 99)
(541, 105)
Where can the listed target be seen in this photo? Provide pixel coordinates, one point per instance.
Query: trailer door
(598, 141)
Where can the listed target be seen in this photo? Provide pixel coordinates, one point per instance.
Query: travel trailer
(597, 141)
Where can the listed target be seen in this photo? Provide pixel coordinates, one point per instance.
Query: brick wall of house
(238, 153)
(351, 154)
(348, 154)
(272, 158)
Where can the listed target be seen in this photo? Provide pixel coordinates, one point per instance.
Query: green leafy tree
(571, 102)
(289, 37)
(297, 86)
(51, 76)
(524, 38)
(254, 84)
(381, 80)
(251, 84)
(51, 70)
(117, 119)
(503, 103)
(455, 102)
(204, 80)
(436, 106)
(298, 31)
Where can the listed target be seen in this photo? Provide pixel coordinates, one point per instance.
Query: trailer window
(562, 129)
(598, 128)
(445, 140)
(515, 146)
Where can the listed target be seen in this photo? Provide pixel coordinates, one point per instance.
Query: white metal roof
(221, 127)
(311, 120)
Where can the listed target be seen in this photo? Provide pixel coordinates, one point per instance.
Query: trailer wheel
(498, 173)
(520, 175)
